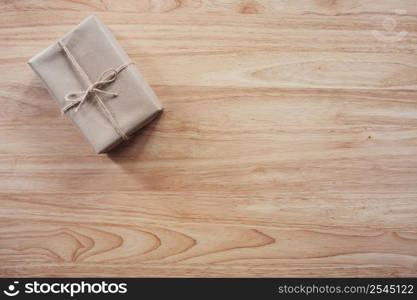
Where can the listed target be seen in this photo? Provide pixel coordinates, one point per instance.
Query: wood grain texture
(288, 146)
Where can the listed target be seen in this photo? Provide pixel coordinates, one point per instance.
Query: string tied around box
(76, 99)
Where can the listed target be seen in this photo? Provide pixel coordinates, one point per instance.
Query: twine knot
(76, 99)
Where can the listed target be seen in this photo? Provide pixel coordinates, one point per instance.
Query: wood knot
(250, 7)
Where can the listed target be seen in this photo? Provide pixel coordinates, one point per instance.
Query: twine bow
(76, 99)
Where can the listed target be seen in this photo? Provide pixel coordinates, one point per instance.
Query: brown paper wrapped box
(96, 84)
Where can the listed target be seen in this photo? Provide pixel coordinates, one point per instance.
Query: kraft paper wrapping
(95, 50)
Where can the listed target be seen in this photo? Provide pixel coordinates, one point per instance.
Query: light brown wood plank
(288, 145)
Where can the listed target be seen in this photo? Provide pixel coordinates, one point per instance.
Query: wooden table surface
(288, 145)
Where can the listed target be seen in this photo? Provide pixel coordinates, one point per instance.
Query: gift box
(96, 85)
